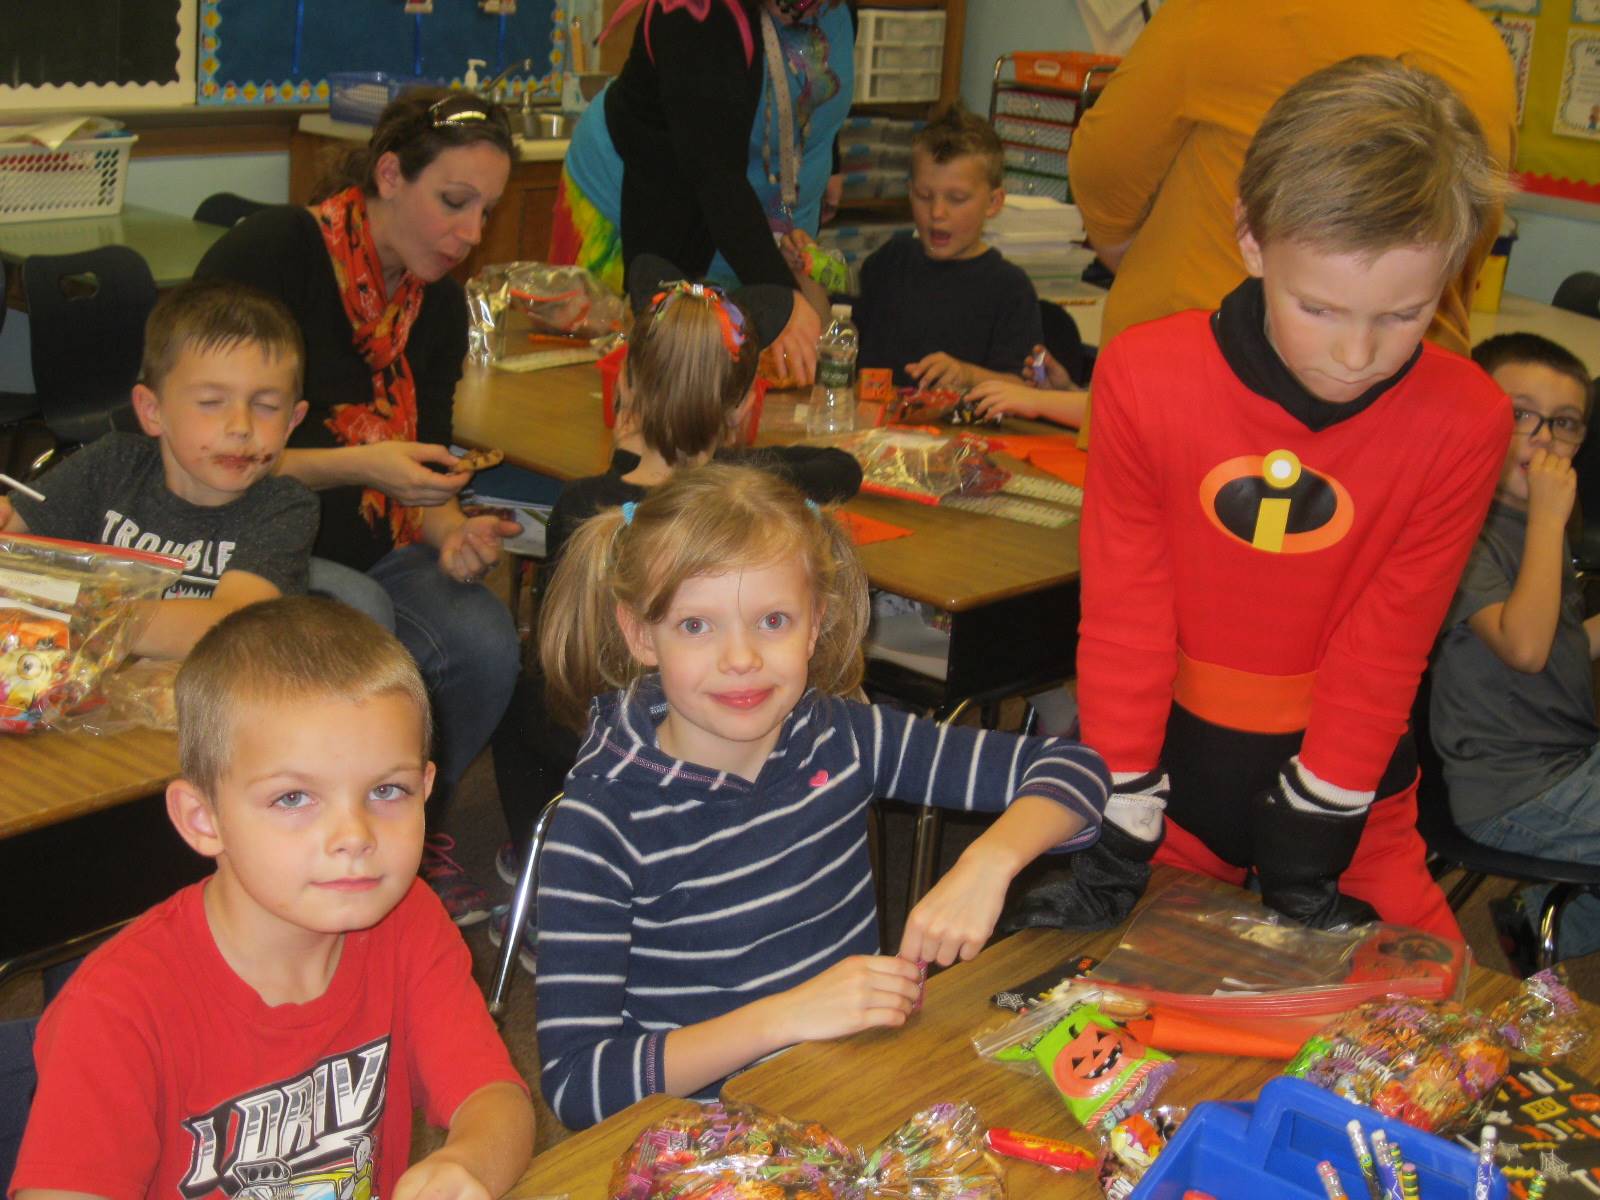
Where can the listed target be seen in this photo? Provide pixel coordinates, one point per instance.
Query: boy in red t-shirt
(268, 1031)
(1280, 500)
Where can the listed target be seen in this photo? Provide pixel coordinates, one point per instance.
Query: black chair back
(1579, 293)
(86, 320)
(1065, 343)
(227, 209)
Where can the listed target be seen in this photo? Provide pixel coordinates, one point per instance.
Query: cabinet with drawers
(1036, 100)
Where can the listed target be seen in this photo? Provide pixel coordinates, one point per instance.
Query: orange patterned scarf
(381, 324)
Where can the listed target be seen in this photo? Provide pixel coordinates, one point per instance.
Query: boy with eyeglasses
(1513, 710)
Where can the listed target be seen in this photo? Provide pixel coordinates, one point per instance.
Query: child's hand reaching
(439, 1177)
(856, 993)
(473, 547)
(1013, 398)
(793, 246)
(1552, 487)
(1055, 375)
(956, 917)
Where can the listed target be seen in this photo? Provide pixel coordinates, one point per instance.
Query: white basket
(84, 178)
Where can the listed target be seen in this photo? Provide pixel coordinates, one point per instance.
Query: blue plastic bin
(1272, 1148)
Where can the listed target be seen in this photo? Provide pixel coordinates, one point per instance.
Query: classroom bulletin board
(1555, 46)
(259, 52)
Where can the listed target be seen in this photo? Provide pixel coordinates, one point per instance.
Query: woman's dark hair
(418, 127)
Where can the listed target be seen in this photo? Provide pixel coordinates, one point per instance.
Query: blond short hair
(683, 383)
(285, 649)
(955, 133)
(205, 315)
(1370, 155)
(704, 520)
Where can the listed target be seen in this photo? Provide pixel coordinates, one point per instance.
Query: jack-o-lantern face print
(1093, 1059)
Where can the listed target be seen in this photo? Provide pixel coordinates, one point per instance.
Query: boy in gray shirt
(1513, 712)
(221, 391)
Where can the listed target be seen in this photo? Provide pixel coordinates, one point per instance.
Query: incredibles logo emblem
(1273, 503)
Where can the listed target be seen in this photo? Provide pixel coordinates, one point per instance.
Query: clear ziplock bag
(67, 616)
(510, 303)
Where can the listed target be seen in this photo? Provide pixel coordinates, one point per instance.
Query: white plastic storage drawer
(1024, 183)
(928, 57)
(1034, 133)
(896, 26)
(880, 86)
(1031, 158)
(1038, 105)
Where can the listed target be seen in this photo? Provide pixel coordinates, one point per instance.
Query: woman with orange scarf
(365, 270)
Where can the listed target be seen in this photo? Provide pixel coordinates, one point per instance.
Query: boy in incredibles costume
(1281, 497)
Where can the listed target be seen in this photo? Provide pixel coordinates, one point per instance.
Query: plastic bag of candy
(510, 303)
(733, 1151)
(924, 467)
(916, 406)
(1101, 1071)
(67, 616)
(1433, 1063)
(1132, 1144)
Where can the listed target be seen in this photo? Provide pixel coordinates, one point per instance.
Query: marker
(1330, 1181)
(27, 491)
(1358, 1144)
(1483, 1179)
(1036, 368)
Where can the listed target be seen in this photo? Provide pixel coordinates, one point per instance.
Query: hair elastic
(629, 507)
(729, 315)
(814, 507)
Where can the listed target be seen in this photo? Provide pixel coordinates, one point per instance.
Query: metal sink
(545, 125)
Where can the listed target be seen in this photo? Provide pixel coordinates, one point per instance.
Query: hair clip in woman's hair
(729, 315)
(629, 507)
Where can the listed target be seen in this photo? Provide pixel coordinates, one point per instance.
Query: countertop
(536, 150)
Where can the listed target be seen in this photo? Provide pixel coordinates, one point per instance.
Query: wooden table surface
(864, 1087)
(51, 776)
(551, 422)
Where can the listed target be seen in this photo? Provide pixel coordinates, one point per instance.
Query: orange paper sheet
(1056, 453)
(1172, 1030)
(866, 530)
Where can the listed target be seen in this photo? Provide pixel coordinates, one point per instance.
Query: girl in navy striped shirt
(705, 895)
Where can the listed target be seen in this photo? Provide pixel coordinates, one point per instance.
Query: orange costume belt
(1243, 700)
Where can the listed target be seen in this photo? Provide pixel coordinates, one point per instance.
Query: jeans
(1562, 822)
(461, 635)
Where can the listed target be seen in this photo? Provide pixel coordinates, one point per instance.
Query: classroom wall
(1548, 249)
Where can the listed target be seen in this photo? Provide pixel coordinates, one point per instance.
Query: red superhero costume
(1264, 574)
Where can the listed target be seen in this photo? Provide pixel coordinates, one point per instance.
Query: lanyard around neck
(783, 110)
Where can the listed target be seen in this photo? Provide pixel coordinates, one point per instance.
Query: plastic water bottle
(833, 398)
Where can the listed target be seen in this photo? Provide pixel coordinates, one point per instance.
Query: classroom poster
(1517, 33)
(1531, 7)
(1586, 10)
(1578, 110)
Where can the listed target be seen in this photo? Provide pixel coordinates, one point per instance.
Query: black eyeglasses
(1562, 428)
(464, 110)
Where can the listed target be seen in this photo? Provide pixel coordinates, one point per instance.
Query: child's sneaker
(507, 864)
(465, 901)
(1517, 937)
(527, 953)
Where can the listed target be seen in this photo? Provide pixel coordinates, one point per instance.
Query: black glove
(1109, 877)
(1304, 838)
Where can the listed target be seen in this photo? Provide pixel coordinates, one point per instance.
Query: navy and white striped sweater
(670, 894)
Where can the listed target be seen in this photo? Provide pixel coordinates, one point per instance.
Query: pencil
(1358, 1144)
(1330, 1181)
(27, 491)
(1483, 1179)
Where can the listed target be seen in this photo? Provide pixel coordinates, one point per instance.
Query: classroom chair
(227, 209)
(1579, 293)
(16, 408)
(1449, 848)
(1065, 343)
(523, 905)
(86, 325)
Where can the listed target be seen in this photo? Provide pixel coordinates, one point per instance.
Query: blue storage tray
(1272, 1148)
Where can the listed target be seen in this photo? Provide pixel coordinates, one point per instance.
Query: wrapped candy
(1542, 1020)
(1132, 1144)
(738, 1152)
(1101, 1070)
(67, 616)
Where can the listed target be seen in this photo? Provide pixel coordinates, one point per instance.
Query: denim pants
(1563, 823)
(461, 635)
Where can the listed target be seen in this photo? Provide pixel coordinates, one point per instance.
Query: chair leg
(1462, 892)
(1555, 902)
(930, 825)
(522, 902)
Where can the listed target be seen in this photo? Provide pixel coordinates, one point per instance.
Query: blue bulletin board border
(267, 52)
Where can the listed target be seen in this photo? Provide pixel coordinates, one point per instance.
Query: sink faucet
(491, 90)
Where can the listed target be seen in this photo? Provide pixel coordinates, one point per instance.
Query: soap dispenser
(470, 79)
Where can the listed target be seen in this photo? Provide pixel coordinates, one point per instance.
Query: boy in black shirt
(942, 309)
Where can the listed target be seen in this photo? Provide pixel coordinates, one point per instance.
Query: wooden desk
(171, 245)
(864, 1087)
(1011, 588)
(52, 777)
